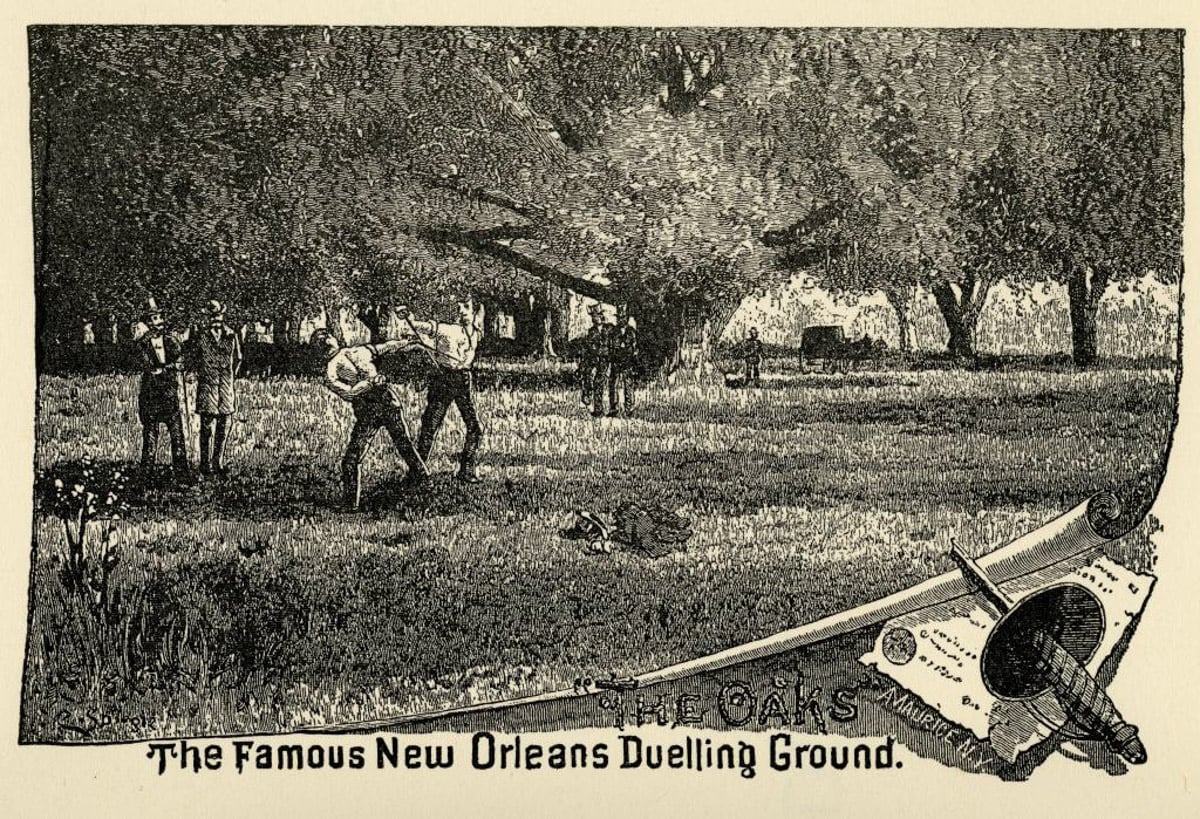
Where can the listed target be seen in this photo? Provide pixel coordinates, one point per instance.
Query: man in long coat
(160, 395)
(594, 363)
(622, 356)
(216, 358)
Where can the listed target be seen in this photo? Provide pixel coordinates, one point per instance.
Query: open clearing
(807, 496)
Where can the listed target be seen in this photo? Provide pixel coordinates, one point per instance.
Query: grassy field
(253, 605)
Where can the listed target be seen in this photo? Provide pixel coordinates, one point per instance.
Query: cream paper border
(1157, 683)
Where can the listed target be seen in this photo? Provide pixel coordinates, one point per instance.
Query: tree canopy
(671, 171)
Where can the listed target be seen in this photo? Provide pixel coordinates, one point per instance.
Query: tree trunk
(675, 345)
(285, 331)
(375, 318)
(333, 322)
(1085, 286)
(560, 317)
(548, 351)
(527, 326)
(960, 312)
(660, 341)
(547, 315)
(901, 301)
(719, 319)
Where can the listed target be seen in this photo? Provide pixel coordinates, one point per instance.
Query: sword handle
(1084, 700)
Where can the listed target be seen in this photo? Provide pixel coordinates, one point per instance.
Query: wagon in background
(825, 348)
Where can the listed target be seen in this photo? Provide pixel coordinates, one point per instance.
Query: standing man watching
(217, 358)
(351, 374)
(160, 395)
(623, 353)
(594, 364)
(451, 347)
(752, 354)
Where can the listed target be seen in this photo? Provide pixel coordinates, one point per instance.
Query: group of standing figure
(609, 364)
(213, 352)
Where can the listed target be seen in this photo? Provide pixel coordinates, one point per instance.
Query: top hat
(152, 309)
(214, 309)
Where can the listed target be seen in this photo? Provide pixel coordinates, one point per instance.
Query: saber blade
(971, 570)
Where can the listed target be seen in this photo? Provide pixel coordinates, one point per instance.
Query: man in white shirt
(451, 347)
(351, 374)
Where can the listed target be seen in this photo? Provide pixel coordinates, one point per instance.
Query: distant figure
(622, 357)
(351, 374)
(217, 358)
(752, 355)
(594, 363)
(451, 347)
(161, 394)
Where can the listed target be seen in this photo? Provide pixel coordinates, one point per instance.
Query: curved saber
(1069, 535)
(1077, 691)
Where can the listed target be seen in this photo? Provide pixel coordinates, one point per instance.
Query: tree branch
(540, 131)
(503, 232)
(477, 243)
(492, 197)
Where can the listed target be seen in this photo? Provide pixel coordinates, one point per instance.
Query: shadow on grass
(810, 381)
(730, 482)
(1023, 414)
(737, 483)
(1134, 418)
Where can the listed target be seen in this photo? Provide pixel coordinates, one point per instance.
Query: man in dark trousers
(161, 393)
(622, 358)
(594, 363)
(216, 354)
(752, 355)
(351, 374)
(451, 347)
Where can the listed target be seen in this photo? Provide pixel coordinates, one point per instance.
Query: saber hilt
(1081, 697)
(1084, 700)
(975, 574)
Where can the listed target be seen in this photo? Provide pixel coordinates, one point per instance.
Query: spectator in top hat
(622, 355)
(594, 363)
(216, 354)
(161, 396)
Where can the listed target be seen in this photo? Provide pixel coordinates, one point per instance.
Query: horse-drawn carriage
(824, 348)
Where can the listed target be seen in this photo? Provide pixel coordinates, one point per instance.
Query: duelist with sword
(451, 347)
(352, 375)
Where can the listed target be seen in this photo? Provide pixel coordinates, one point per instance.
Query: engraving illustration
(816, 382)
